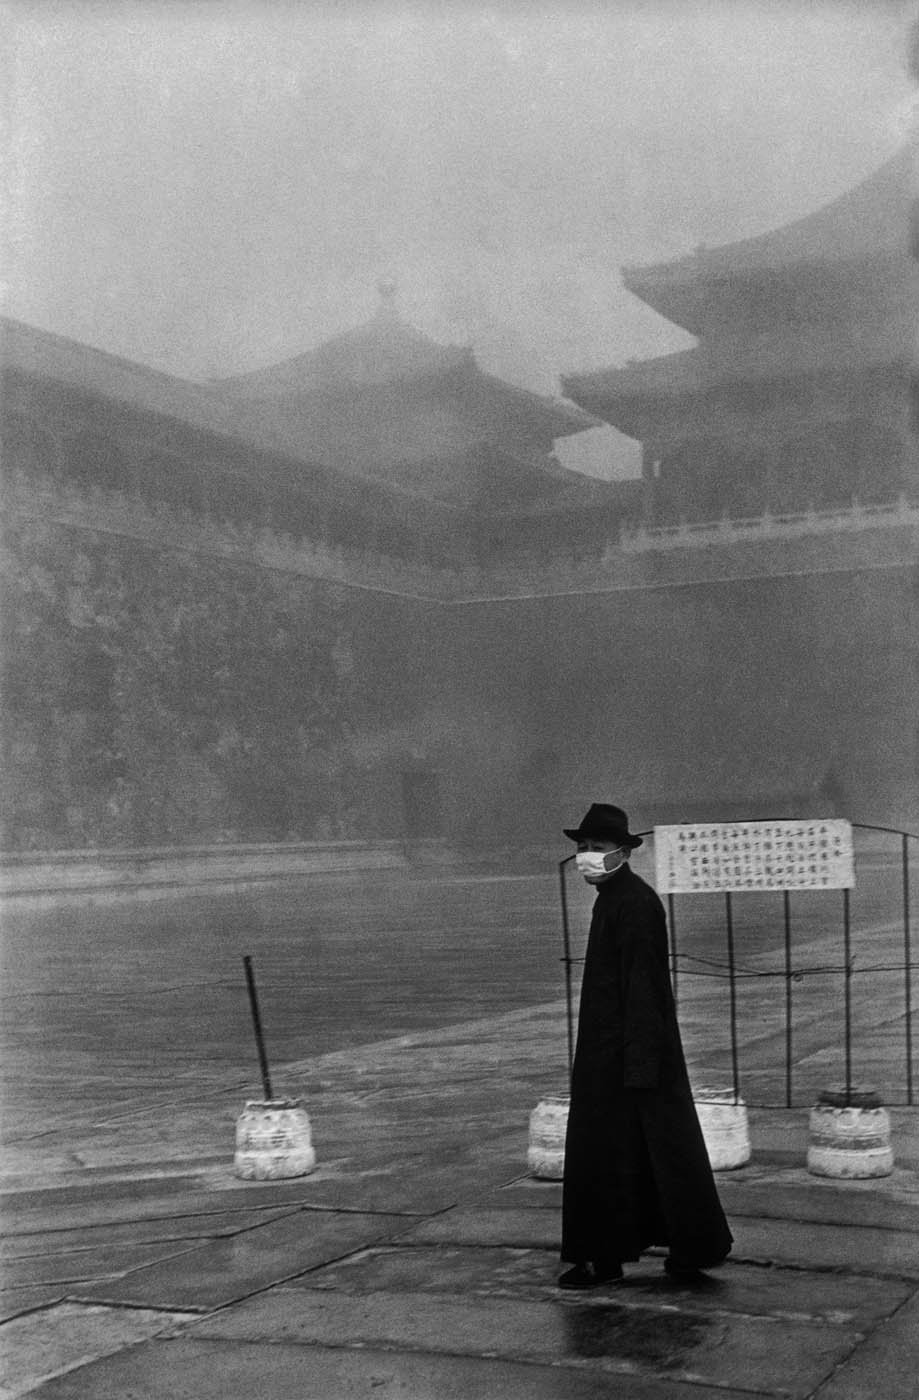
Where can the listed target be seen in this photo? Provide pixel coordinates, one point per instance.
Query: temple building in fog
(385, 403)
(355, 595)
(796, 396)
(380, 439)
(220, 595)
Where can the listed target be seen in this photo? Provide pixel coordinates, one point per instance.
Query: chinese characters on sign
(780, 855)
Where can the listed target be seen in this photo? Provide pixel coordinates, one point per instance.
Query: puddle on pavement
(660, 1339)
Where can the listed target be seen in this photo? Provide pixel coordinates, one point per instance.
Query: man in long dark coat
(637, 1172)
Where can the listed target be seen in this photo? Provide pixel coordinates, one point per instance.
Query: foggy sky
(210, 187)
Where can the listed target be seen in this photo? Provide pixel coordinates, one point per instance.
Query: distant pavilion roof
(389, 354)
(382, 402)
(387, 402)
(693, 371)
(867, 223)
(834, 292)
(385, 351)
(44, 354)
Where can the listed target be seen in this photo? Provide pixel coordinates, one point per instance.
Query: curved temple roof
(387, 353)
(871, 220)
(381, 402)
(832, 292)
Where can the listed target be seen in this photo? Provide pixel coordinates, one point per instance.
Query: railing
(615, 565)
(163, 526)
(766, 526)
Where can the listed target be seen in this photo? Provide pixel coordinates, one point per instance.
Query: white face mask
(592, 864)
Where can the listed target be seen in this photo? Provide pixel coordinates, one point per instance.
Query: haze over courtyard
(210, 189)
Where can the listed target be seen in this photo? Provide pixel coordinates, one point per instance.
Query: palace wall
(766, 697)
(157, 693)
(183, 664)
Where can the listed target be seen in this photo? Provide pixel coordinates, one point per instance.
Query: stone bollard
(546, 1151)
(849, 1135)
(723, 1120)
(273, 1141)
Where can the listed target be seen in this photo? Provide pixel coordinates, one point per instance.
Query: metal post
(847, 958)
(787, 903)
(908, 973)
(567, 961)
(671, 919)
(257, 1023)
(729, 916)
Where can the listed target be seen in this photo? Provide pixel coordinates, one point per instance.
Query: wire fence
(855, 1021)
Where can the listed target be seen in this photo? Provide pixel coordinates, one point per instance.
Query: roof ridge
(874, 188)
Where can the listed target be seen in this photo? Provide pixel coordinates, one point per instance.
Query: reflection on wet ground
(659, 1339)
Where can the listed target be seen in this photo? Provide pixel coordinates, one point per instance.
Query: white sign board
(780, 855)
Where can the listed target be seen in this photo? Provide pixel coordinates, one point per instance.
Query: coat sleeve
(645, 1000)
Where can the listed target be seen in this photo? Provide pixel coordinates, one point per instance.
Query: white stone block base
(725, 1128)
(273, 1141)
(849, 1143)
(546, 1151)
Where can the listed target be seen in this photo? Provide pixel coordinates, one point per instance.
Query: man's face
(613, 857)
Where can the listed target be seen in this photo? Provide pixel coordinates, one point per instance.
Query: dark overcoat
(637, 1172)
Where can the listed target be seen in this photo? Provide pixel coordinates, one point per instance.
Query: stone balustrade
(662, 556)
(693, 534)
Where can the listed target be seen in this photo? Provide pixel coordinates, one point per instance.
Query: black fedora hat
(604, 822)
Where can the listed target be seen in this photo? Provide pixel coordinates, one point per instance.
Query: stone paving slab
(199, 1370)
(767, 1241)
(48, 1216)
(523, 1229)
(178, 1169)
(92, 1188)
(42, 1344)
(795, 1195)
(416, 1186)
(14, 1301)
(771, 1195)
(713, 1348)
(886, 1364)
(827, 1247)
(111, 1207)
(135, 1232)
(792, 1294)
(86, 1265)
(227, 1270)
(419, 1185)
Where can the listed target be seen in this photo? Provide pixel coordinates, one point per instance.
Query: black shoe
(590, 1275)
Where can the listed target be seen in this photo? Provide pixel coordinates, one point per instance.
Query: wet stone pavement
(419, 1260)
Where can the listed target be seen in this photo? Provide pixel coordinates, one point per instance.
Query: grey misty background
(208, 190)
(212, 188)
